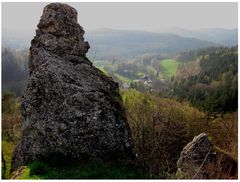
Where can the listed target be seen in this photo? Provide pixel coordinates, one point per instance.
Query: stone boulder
(71, 111)
(194, 158)
(200, 159)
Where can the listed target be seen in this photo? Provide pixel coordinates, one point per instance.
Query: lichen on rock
(194, 157)
(70, 108)
(200, 159)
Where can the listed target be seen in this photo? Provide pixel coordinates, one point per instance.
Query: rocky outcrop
(200, 159)
(195, 157)
(71, 110)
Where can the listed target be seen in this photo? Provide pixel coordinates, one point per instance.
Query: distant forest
(14, 70)
(214, 86)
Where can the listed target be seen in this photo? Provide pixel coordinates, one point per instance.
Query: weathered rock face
(70, 108)
(200, 159)
(194, 157)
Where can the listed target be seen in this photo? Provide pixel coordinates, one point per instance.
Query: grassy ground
(91, 170)
(170, 66)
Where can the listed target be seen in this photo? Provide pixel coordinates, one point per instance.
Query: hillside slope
(115, 44)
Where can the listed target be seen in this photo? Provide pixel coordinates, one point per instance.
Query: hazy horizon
(151, 17)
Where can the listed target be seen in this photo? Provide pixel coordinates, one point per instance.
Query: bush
(11, 123)
(224, 133)
(160, 129)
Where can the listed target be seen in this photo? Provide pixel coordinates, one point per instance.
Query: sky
(154, 17)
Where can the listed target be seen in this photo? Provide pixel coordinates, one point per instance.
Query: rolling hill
(121, 44)
(225, 37)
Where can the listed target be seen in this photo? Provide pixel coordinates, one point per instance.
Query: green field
(170, 67)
